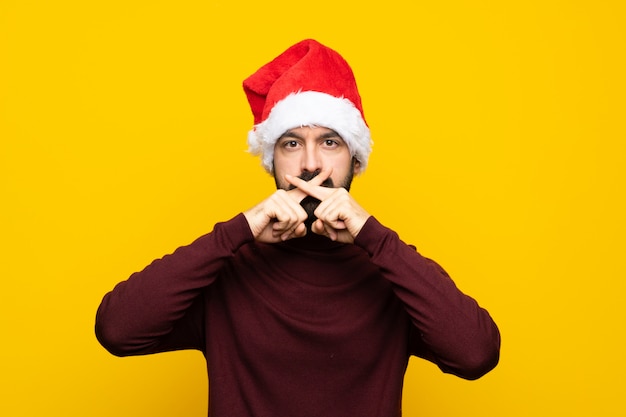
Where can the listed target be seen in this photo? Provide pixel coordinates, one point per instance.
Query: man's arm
(453, 330)
(144, 314)
(154, 309)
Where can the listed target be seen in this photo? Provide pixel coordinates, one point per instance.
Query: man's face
(305, 151)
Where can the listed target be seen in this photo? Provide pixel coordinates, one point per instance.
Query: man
(304, 305)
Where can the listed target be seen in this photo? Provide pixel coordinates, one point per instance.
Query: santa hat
(307, 85)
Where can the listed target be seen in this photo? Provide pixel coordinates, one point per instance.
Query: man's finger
(312, 187)
(321, 177)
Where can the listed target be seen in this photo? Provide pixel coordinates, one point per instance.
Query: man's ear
(356, 166)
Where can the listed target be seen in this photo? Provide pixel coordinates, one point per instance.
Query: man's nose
(311, 160)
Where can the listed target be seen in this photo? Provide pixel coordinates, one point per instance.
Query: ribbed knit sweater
(308, 327)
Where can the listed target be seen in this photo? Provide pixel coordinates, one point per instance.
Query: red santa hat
(307, 85)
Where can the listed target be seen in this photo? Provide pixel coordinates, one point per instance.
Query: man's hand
(281, 217)
(339, 216)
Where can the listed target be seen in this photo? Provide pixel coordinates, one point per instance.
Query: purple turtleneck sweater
(308, 327)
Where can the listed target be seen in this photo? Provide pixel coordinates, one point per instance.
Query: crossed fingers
(339, 217)
(311, 188)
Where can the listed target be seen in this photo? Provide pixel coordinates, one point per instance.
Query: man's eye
(330, 142)
(290, 144)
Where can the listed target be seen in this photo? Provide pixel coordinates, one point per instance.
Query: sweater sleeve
(156, 309)
(450, 328)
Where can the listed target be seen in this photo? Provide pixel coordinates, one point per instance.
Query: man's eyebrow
(330, 134)
(326, 135)
(290, 134)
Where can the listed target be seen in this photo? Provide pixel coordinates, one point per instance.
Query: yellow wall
(499, 151)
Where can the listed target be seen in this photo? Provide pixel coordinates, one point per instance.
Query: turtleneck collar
(312, 241)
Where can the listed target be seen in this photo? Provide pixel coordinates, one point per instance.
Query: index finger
(312, 187)
(317, 180)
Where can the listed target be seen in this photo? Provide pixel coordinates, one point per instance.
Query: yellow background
(499, 151)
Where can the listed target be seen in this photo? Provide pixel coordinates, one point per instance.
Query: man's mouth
(308, 203)
(308, 176)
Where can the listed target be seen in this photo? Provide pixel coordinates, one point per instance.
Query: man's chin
(309, 204)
